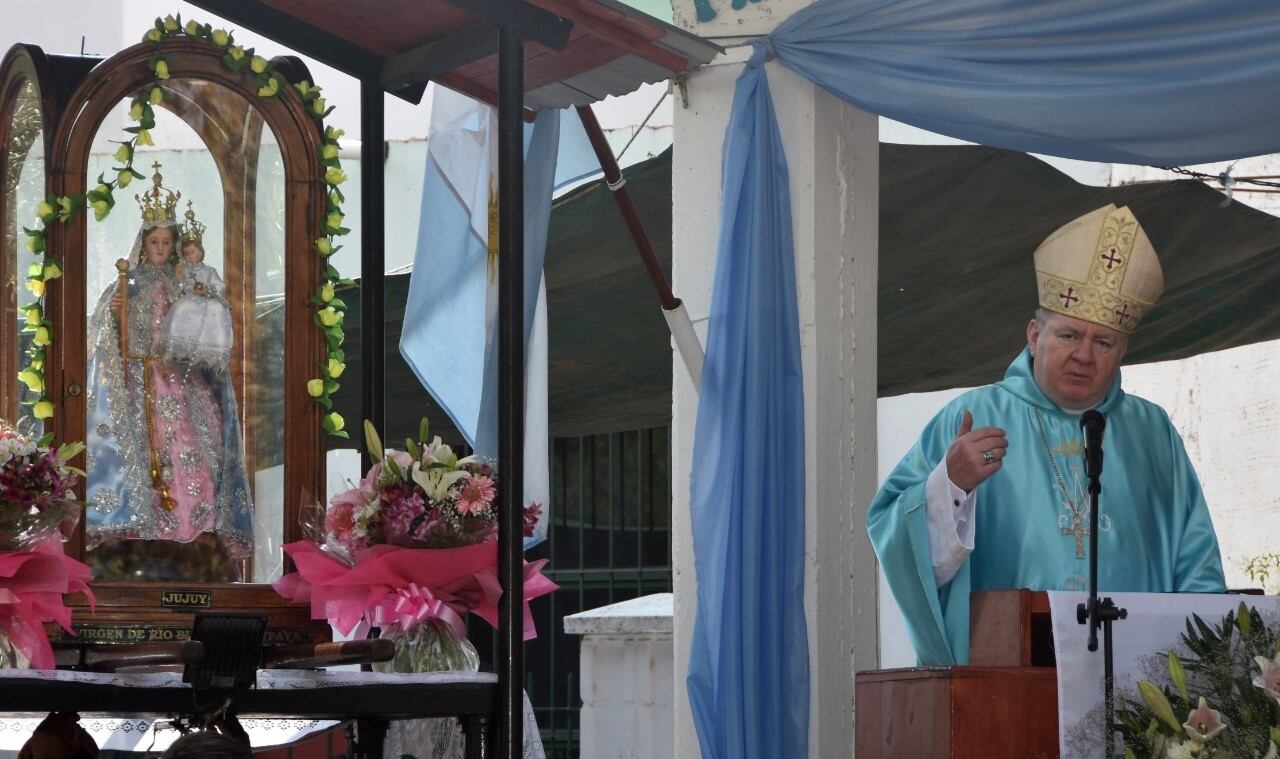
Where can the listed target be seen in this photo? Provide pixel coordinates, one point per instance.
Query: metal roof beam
(297, 34)
(533, 23)
(439, 57)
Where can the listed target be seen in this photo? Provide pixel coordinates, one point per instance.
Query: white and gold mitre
(1100, 268)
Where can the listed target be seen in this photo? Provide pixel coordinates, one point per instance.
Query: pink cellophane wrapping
(463, 579)
(32, 584)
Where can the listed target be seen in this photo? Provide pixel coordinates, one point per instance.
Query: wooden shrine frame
(299, 141)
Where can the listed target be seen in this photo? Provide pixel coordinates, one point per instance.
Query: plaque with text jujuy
(186, 599)
(143, 614)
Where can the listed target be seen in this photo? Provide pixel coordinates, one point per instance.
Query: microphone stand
(1097, 613)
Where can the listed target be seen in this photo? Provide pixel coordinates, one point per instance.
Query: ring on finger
(989, 455)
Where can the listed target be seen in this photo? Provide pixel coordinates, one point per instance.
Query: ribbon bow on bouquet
(392, 583)
(32, 584)
(413, 605)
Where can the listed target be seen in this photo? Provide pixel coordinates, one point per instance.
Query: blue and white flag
(450, 324)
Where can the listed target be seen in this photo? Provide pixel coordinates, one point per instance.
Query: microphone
(1093, 423)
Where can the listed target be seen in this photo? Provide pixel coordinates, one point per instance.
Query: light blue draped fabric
(540, 144)
(1143, 81)
(749, 668)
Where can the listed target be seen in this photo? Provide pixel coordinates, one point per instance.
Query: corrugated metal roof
(611, 50)
(615, 78)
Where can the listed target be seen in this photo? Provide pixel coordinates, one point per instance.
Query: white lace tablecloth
(138, 733)
(442, 738)
(422, 738)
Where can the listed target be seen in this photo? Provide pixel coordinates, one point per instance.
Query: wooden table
(369, 700)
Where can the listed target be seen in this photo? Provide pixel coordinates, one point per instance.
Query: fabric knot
(764, 51)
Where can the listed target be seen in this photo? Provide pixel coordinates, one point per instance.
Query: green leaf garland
(329, 310)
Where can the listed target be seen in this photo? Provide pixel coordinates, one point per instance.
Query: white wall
(1226, 408)
(1225, 405)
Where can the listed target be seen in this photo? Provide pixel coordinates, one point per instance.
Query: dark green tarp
(958, 225)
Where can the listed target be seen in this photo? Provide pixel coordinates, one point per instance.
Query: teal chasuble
(1155, 533)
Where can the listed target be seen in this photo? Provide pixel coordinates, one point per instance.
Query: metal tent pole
(673, 309)
(511, 390)
(372, 262)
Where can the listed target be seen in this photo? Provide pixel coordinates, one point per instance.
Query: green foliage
(1265, 570)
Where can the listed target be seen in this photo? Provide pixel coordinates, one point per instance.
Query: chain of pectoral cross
(1077, 528)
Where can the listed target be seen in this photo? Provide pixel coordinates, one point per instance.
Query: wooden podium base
(957, 713)
(1004, 704)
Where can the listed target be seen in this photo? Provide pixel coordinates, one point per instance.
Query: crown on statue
(192, 230)
(159, 204)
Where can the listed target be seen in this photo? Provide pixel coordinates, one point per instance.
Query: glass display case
(200, 356)
(22, 187)
(184, 334)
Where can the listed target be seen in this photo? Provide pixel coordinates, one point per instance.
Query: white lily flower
(436, 481)
(1268, 678)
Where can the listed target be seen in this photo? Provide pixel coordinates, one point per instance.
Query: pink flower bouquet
(411, 549)
(36, 502)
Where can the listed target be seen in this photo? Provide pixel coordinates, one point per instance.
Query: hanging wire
(644, 123)
(1224, 178)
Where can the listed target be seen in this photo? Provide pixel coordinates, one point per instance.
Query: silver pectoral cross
(1078, 530)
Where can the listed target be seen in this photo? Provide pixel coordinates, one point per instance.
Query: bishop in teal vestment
(1015, 473)
(1155, 534)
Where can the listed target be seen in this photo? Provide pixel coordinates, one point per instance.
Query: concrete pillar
(833, 154)
(626, 675)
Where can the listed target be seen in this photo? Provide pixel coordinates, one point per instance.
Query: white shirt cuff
(951, 518)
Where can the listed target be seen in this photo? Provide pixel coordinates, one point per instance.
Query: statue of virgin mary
(165, 461)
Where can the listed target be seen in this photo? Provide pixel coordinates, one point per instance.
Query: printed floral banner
(1155, 625)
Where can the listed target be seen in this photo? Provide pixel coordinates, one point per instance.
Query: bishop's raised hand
(975, 454)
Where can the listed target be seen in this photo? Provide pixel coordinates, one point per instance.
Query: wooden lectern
(1004, 703)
